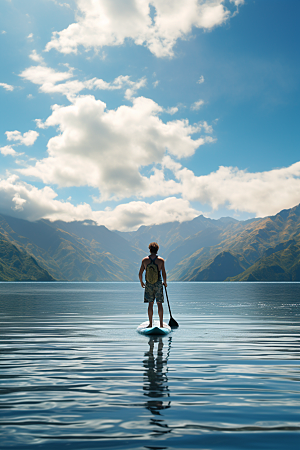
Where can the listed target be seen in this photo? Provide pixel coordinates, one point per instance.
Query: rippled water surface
(76, 374)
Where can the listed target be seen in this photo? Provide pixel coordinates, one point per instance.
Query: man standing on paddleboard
(155, 268)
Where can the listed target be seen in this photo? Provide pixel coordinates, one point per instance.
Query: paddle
(172, 321)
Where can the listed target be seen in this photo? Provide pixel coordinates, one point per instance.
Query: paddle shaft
(172, 322)
(168, 301)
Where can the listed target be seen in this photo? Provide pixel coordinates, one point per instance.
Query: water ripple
(74, 370)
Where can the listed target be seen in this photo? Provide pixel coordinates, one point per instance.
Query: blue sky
(138, 112)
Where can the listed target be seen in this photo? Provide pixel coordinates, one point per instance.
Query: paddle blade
(173, 323)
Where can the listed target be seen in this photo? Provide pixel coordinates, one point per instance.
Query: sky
(141, 112)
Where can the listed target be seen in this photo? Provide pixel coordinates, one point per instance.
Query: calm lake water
(76, 374)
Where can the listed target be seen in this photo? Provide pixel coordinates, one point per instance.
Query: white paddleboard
(155, 329)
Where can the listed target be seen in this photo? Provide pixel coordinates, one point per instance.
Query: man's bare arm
(141, 274)
(164, 274)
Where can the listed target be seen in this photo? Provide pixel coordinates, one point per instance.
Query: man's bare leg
(160, 314)
(150, 314)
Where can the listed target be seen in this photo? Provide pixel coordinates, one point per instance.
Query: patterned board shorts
(154, 291)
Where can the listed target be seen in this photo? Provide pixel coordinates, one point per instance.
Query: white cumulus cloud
(45, 76)
(7, 87)
(8, 150)
(261, 193)
(36, 57)
(197, 105)
(25, 201)
(109, 22)
(238, 2)
(172, 110)
(28, 202)
(108, 148)
(27, 138)
(52, 81)
(131, 215)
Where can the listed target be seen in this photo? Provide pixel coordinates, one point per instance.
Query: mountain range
(202, 249)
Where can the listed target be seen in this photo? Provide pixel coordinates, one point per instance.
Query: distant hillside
(171, 235)
(201, 249)
(223, 265)
(281, 264)
(250, 240)
(76, 251)
(16, 265)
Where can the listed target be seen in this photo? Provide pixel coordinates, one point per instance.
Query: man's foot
(149, 326)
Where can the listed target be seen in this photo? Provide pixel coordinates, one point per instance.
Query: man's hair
(153, 247)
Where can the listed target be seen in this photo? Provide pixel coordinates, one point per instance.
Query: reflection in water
(72, 362)
(156, 381)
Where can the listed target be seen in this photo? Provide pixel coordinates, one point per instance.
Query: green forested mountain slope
(249, 240)
(198, 250)
(205, 244)
(281, 263)
(99, 236)
(16, 265)
(67, 256)
(223, 265)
